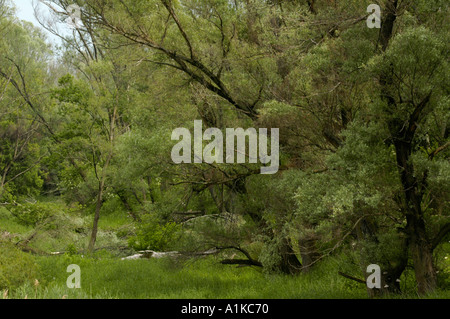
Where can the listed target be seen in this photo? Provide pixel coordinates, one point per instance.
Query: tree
(362, 113)
(384, 166)
(24, 55)
(412, 88)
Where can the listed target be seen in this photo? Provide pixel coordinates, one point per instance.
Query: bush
(153, 235)
(16, 267)
(29, 214)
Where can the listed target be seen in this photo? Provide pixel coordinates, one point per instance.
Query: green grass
(8, 223)
(159, 279)
(61, 234)
(105, 278)
(116, 220)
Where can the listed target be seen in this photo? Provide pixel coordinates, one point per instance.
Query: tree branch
(438, 150)
(168, 5)
(445, 229)
(241, 262)
(248, 261)
(351, 277)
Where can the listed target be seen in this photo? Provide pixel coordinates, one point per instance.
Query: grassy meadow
(105, 275)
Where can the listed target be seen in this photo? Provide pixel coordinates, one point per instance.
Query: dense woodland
(363, 118)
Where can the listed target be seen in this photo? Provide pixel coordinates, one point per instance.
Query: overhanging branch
(445, 229)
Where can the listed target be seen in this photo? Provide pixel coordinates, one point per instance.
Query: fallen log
(241, 262)
(155, 254)
(137, 256)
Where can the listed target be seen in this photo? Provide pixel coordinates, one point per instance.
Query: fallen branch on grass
(242, 262)
(351, 277)
(247, 262)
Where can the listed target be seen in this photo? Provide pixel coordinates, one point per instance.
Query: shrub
(32, 214)
(153, 235)
(71, 249)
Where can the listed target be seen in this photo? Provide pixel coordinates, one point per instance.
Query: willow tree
(413, 72)
(387, 179)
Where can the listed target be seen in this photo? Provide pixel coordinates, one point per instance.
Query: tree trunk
(98, 206)
(419, 243)
(308, 252)
(289, 263)
(101, 182)
(422, 255)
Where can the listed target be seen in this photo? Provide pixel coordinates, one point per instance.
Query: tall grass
(106, 276)
(160, 279)
(109, 278)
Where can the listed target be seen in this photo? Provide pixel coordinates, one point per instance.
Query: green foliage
(270, 256)
(32, 214)
(71, 250)
(16, 267)
(154, 235)
(92, 127)
(385, 251)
